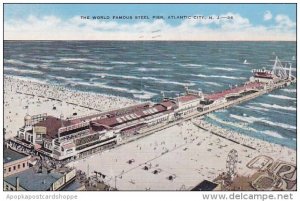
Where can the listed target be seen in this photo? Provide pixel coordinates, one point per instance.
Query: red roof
(264, 75)
(187, 98)
(52, 125)
(218, 95)
(111, 119)
(133, 115)
(167, 104)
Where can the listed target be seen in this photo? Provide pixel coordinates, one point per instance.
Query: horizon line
(158, 40)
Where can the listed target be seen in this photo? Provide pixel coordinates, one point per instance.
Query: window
(23, 165)
(19, 166)
(9, 169)
(11, 189)
(14, 167)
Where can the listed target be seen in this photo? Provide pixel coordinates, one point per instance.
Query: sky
(203, 22)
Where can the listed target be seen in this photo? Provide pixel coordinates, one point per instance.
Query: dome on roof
(27, 117)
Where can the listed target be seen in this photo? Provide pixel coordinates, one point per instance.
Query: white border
(145, 196)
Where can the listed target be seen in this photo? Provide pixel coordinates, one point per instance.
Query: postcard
(149, 97)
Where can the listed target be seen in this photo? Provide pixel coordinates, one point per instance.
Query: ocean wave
(230, 123)
(281, 97)
(18, 62)
(105, 86)
(190, 65)
(13, 61)
(213, 83)
(84, 51)
(23, 71)
(162, 81)
(145, 95)
(224, 69)
(151, 62)
(152, 69)
(274, 106)
(85, 67)
(122, 62)
(273, 134)
(67, 69)
(66, 79)
(220, 76)
(72, 59)
(257, 108)
(250, 119)
(102, 75)
(230, 59)
(289, 90)
(57, 77)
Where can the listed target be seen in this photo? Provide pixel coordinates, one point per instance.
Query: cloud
(283, 21)
(268, 15)
(237, 28)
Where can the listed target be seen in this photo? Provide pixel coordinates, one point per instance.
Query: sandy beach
(23, 97)
(185, 152)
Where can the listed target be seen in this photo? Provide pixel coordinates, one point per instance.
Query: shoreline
(238, 138)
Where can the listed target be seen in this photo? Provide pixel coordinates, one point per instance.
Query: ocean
(142, 70)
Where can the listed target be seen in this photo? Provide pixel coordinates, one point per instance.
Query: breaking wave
(123, 62)
(274, 106)
(67, 69)
(151, 69)
(23, 71)
(191, 65)
(289, 90)
(162, 81)
(281, 97)
(18, 62)
(73, 59)
(213, 83)
(273, 134)
(95, 67)
(230, 123)
(220, 76)
(144, 95)
(102, 75)
(105, 86)
(250, 119)
(224, 69)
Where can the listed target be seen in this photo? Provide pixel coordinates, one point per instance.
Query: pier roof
(52, 125)
(187, 98)
(238, 89)
(133, 115)
(167, 104)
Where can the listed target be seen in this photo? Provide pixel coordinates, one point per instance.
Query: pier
(80, 135)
